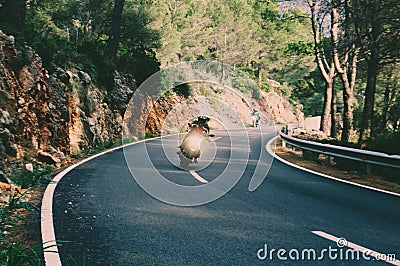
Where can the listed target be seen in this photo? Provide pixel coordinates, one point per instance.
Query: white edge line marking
(269, 150)
(51, 255)
(368, 252)
(214, 139)
(198, 177)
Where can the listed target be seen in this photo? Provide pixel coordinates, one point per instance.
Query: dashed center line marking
(198, 177)
(364, 250)
(214, 139)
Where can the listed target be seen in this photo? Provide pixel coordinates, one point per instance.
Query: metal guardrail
(364, 156)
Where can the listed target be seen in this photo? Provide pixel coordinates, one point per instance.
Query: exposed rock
(47, 158)
(5, 118)
(122, 92)
(168, 115)
(6, 142)
(29, 167)
(49, 117)
(278, 107)
(84, 78)
(7, 189)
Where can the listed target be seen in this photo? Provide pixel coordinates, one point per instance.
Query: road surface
(103, 217)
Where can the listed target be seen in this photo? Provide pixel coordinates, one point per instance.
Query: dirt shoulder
(319, 165)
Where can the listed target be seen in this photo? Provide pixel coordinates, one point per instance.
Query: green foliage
(205, 91)
(111, 143)
(16, 255)
(243, 83)
(27, 179)
(386, 142)
(101, 147)
(167, 94)
(73, 34)
(148, 135)
(247, 34)
(309, 92)
(183, 90)
(102, 70)
(299, 48)
(137, 43)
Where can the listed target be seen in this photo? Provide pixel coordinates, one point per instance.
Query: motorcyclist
(256, 117)
(202, 121)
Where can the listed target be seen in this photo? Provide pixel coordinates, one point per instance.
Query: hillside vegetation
(332, 57)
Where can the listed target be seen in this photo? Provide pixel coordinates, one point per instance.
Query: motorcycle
(190, 148)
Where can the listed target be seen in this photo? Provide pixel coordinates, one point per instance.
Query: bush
(387, 143)
(183, 90)
(26, 179)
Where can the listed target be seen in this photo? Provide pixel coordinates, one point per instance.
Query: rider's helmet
(203, 120)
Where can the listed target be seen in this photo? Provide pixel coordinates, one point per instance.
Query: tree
(346, 62)
(381, 46)
(325, 65)
(136, 53)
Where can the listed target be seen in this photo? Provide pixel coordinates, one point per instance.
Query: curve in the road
(283, 212)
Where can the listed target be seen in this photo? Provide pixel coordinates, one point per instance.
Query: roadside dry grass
(372, 180)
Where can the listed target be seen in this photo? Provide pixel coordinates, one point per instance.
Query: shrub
(388, 143)
(26, 179)
(183, 90)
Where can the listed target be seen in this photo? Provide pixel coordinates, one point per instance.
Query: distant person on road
(255, 117)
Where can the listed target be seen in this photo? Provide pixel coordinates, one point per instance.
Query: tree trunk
(369, 102)
(259, 74)
(328, 71)
(115, 31)
(385, 109)
(333, 111)
(389, 99)
(348, 100)
(347, 69)
(326, 112)
(372, 73)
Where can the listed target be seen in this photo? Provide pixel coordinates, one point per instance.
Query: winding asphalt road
(103, 217)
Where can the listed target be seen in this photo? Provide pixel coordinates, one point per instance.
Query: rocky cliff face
(168, 115)
(45, 118)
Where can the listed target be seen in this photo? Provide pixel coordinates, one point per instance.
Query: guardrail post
(327, 159)
(368, 166)
(283, 143)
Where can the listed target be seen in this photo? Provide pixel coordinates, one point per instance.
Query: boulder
(46, 157)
